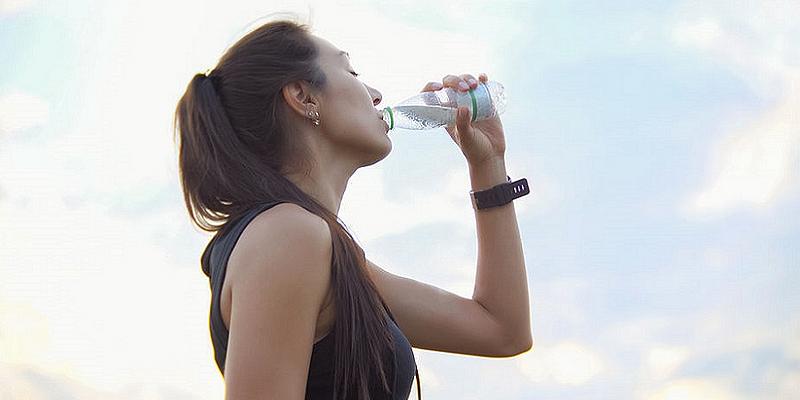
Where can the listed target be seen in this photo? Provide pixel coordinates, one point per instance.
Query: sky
(661, 140)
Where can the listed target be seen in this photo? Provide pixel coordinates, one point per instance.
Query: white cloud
(8, 7)
(20, 111)
(33, 383)
(638, 332)
(665, 345)
(693, 389)
(24, 333)
(428, 376)
(107, 300)
(565, 363)
(19, 382)
(399, 59)
(788, 385)
(702, 33)
(793, 345)
(661, 361)
(757, 162)
(564, 298)
(371, 215)
(755, 165)
(127, 148)
(717, 258)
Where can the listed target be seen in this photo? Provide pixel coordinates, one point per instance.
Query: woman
(268, 141)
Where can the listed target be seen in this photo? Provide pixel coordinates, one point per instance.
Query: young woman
(268, 141)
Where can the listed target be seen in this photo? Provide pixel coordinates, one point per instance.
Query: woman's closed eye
(354, 74)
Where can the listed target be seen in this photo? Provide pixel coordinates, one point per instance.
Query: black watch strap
(500, 194)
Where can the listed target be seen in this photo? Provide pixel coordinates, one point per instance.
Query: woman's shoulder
(283, 230)
(286, 217)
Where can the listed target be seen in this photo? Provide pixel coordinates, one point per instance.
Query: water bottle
(429, 110)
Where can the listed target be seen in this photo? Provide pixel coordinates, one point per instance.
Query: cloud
(101, 299)
(31, 383)
(746, 354)
(565, 363)
(565, 298)
(754, 165)
(788, 385)
(661, 361)
(428, 376)
(372, 215)
(20, 111)
(756, 162)
(693, 389)
(793, 347)
(8, 7)
(21, 382)
(116, 144)
(702, 33)
(24, 333)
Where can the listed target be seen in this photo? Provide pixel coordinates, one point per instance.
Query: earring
(314, 117)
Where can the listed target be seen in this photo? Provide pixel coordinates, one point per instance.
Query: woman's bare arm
(280, 271)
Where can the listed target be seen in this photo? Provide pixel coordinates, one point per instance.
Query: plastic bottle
(428, 110)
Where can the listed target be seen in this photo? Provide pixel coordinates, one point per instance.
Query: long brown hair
(235, 145)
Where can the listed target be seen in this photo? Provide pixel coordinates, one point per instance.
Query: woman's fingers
(458, 83)
(432, 87)
(461, 83)
(471, 81)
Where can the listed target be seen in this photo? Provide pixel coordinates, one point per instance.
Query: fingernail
(463, 85)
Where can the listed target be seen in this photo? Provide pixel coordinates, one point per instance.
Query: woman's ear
(299, 98)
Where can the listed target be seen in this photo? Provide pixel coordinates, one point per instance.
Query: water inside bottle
(423, 116)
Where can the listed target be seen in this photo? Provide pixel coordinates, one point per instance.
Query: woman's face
(348, 116)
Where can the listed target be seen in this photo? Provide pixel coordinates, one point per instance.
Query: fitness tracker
(500, 194)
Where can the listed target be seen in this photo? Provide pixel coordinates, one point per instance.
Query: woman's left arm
(495, 322)
(501, 284)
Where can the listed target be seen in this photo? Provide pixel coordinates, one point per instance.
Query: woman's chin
(382, 153)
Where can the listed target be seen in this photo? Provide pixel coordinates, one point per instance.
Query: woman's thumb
(463, 120)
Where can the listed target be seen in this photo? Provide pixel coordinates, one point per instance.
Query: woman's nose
(376, 96)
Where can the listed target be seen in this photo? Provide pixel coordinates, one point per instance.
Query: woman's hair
(235, 144)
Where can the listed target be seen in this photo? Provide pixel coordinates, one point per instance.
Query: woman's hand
(480, 141)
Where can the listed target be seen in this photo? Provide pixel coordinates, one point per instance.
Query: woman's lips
(380, 117)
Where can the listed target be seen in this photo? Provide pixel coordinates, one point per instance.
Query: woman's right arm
(282, 262)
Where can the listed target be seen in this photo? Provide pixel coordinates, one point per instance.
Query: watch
(500, 194)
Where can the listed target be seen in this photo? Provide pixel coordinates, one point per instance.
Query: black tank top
(401, 369)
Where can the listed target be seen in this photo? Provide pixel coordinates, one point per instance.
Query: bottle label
(479, 102)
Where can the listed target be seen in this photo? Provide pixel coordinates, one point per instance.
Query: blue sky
(661, 140)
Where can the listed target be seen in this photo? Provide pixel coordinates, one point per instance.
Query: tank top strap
(229, 234)
(388, 311)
